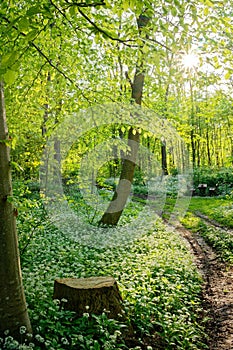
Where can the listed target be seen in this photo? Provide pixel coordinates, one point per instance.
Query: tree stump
(202, 189)
(212, 191)
(94, 295)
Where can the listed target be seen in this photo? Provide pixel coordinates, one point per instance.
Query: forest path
(217, 290)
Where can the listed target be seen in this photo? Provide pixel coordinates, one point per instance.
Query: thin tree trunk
(122, 192)
(192, 133)
(13, 310)
(229, 138)
(208, 146)
(44, 166)
(164, 157)
(165, 112)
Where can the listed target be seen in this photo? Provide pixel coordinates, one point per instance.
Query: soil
(217, 290)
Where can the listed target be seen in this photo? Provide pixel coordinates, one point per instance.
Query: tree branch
(128, 78)
(34, 80)
(157, 42)
(63, 14)
(47, 59)
(100, 30)
(83, 4)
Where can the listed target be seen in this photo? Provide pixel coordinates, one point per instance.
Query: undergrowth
(219, 239)
(218, 209)
(158, 281)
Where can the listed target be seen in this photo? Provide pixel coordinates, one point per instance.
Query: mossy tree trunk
(13, 310)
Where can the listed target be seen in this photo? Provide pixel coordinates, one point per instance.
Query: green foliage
(221, 179)
(45, 82)
(219, 239)
(91, 208)
(61, 330)
(157, 279)
(218, 209)
(27, 203)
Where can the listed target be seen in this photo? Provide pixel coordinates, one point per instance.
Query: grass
(221, 211)
(218, 209)
(220, 240)
(158, 281)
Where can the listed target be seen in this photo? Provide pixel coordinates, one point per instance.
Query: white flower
(22, 330)
(39, 338)
(64, 341)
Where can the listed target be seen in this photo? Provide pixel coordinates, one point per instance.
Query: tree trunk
(122, 192)
(164, 157)
(192, 122)
(13, 311)
(208, 146)
(165, 113)
(94, 295)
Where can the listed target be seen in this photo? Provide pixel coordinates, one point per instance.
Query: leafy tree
(89, 50)
(13, 308)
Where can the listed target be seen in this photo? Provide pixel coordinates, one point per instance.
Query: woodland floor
(217, 290)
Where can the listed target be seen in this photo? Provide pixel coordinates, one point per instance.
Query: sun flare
(190, 61)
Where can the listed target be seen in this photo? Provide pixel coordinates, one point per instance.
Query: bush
(221, 179)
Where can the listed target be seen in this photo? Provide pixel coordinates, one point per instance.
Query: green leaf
(228, 75)
(31, 35)
(108, 4)
(10, 199)
(9, 59)
(33, 10)
(176, 2)
(13, 143)
(16, 166)
(126, 4)
(10, 76)
(72, 11)
(206, 11)
(6, 142)
(173, 11)
(210, 3)
(23, 24)
(165, 10)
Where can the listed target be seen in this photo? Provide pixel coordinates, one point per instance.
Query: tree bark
(192, 122)
(164, 157)
(13, 310)
(165, 112)
(121, 194)
(94, 295)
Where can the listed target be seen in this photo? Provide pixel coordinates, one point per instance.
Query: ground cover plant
(218, 209)
(221, 240)
(156, 275)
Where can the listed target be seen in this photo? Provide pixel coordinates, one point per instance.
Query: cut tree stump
(94, 295)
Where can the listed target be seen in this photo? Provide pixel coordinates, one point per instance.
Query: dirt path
(213, 223)
(217, 291)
